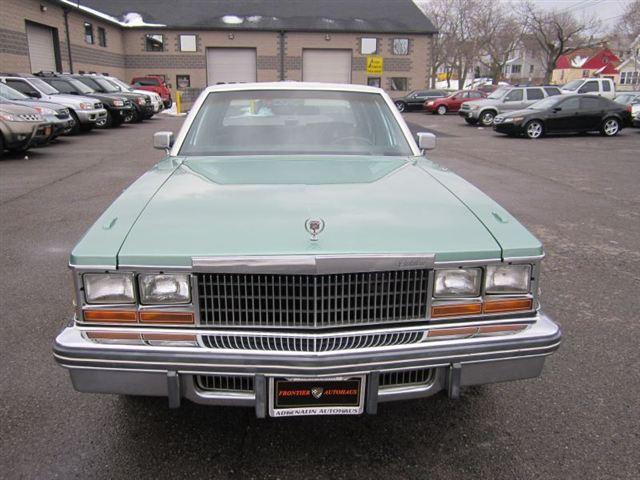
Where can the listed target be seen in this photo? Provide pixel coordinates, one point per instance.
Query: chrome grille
(314, 344)
(312, 301)
(403, 378)
(225, 383)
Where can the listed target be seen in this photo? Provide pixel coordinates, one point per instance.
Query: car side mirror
(557, 109)
(426, 141)
(163, 140)
(33, 94)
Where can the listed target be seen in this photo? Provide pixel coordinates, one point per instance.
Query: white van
(594, 86)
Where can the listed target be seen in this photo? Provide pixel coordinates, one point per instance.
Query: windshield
(80, 86)
(546, 103)
(43, 86)
(107, 86)
(119, 84)
(499, 93)
(266, 122)
(9, 93)
(572, 85)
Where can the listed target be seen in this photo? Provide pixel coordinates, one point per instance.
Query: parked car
(142, 108)
(53, 113)
(503, 100)
(86, 111)
(414, 100)
(216, 277)
(21, 128)
(154, 83)
(566, 114)
(453, 102)
(591, 86)
(156, 100)
(118, 107)
(628, 98)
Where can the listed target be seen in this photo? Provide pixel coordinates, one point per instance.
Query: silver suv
(86, 111)
(503, 100)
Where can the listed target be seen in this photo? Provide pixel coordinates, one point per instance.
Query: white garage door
(231, 65)
(333, 66)
(41, 54)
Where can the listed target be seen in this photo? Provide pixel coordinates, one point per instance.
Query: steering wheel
(364, 140)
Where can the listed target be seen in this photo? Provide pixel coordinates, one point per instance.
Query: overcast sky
(608, 11)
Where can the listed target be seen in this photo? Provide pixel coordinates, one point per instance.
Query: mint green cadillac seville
(296, 253)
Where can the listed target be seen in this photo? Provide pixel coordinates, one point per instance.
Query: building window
(102, 37)
(183, 81)
(530, 69)
(88, 33)
(516, 68)
(585, 73)
(374, 82)
(401, 46)
(398, 84)
(188, 43)
(154, 42)
(368, 46)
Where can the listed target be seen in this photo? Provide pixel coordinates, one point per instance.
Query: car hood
(519, 113)
(71, 99)
(38, 103)
(258, 206)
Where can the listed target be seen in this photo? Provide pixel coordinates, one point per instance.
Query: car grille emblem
(317, 392)
(314, 226)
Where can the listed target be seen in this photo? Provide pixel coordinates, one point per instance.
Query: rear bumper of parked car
(175, 372)
(91, 116)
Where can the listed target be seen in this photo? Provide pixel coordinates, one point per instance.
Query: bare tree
(557, 33)
(500, 35)
(629, 23)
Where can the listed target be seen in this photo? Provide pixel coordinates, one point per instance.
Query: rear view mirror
(163, 140)
(426, 141)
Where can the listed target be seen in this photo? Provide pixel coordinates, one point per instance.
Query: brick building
(195, 43)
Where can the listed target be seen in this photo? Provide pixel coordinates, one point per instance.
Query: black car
(565, 114)
(142, 107)
(118, 107)
(414, 100)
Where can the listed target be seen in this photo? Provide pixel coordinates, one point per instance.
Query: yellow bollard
(178, 102)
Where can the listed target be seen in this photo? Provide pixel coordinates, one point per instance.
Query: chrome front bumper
(91, 116)
(170, 371)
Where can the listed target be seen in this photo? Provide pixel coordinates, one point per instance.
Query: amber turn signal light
(110, 316)
(166, 318)
(456, 309)
(510, 305)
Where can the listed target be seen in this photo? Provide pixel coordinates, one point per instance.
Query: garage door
(231, 65)
(332, 66)
(41, 53)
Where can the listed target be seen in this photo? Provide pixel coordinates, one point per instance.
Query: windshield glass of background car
(43, 86)
(81, 86)
(11, 94)
(499, 93)
(572, 85)
(289, 122)
(123, 86)
(107, 86)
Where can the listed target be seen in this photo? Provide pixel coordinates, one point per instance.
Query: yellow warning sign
(375, 64)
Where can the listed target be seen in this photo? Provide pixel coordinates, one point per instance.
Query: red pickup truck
(154, 83)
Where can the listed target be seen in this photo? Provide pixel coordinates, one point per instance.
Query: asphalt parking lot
(579, 194)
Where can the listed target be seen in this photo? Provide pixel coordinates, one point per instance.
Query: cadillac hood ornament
(314, 226)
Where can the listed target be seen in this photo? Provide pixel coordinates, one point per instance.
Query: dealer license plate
(309, 396)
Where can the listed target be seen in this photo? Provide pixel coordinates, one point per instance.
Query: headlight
(508, 279)
(429, 103)
(45, 111)
(108, 288)
(9, 117)
(458, 282)
(141, 101)
(86, 106)
(118, 103)
(165, 288)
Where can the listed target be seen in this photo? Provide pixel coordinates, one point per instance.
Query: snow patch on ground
(173, 112)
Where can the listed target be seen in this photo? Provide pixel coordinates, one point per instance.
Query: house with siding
(586, 62)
